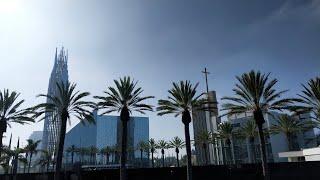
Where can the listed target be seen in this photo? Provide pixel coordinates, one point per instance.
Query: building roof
(303, 152)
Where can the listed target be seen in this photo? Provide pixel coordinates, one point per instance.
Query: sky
(156, 42)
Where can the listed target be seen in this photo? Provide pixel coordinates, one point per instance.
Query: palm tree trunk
(162, 152)
(232, 151)
(186, 119)
(60, 146)
(229, 151)
(152, 160)
(253, 149)
(15, 165)
(124, 116)
(225, 159)
(259, 119)
(25, 165)
(72, 155)
(92, 159)
(218, 159)
(205, 153)
(265, 170)
(214, 154)
(177, 156)
(221, 152)
(289, 141)
(141, 153)
(107, 160)
(112, 158)
(30, 158)
(3, 129)
(188, 149)
(254, 155)
(1, 136)
(249, 152)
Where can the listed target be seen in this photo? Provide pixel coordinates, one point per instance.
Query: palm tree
(45, 159)
(178, 144)
(17, 156)
(72, 149)
(255, 93)
(214, 142)
(68, 102)
(225, 132)
(310, 99)
(162, 145)
(114, 152)
(87, 154)
(26, 156)
(10, 113)
(106, 151)
(92, 154)
(31, 148)
(289, 126)
(117, 154)
(152, 146)
(125, 98)
(147, 151)
(5, 158)
(249, 131)
(142, 146)
(82, 151)
(182, 101)
(203, 139)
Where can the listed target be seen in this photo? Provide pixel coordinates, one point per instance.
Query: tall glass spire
(52, 123)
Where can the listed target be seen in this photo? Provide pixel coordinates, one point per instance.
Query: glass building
(52, 126)
(107, 133)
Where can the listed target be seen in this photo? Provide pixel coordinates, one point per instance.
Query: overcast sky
(156, 42)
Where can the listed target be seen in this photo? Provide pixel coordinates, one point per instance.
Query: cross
(205, 72)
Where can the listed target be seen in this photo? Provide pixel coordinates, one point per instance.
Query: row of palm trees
(112, 152)
(290, 126)
(255, 92)
(18, 154)
(85, 154)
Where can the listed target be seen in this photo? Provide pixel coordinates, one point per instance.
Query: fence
(281, 171)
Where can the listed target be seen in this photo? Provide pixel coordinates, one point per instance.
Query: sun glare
(9, 6)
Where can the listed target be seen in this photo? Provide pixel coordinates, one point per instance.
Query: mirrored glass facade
(59, 74)
(107, 133)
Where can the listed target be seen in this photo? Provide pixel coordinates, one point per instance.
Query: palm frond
(290, 125)
(255, 91)
(309, 99)
(176, 142)
(124, 94)
(182, 98)
(67, 100)
(225, 130)
(9, 108)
